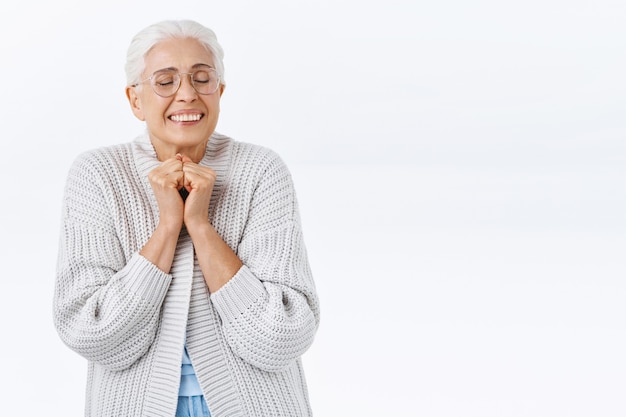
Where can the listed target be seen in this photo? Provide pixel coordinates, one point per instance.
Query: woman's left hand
(217, 260)
(198, 181)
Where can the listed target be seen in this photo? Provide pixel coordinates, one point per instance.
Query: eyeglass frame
(180, 80)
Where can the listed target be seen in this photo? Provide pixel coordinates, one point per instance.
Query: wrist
(170, 226)
(199, 227)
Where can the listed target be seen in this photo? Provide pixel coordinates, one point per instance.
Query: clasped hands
(172, 175)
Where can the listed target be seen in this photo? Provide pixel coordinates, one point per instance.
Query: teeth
(186, 117)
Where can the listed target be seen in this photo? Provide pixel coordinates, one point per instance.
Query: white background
(460, 170)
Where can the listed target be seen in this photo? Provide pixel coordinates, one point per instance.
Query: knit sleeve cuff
(145, 279)
(237, 295)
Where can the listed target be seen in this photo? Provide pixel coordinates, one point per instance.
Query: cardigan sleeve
(270, 309)
(106, 302)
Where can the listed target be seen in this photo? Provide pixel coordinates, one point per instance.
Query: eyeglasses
(166, 82)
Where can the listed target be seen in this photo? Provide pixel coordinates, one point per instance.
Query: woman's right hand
(166, 181)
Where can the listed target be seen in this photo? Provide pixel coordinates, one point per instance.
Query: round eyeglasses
(166, 82)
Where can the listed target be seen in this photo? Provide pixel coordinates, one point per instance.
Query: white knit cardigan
(129, 319)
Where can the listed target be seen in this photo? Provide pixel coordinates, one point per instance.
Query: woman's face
(183, 122)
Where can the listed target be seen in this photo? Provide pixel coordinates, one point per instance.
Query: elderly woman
(182, 275)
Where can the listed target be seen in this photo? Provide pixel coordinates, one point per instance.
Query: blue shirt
(189, 385)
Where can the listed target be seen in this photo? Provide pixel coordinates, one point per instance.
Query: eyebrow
(192, 67)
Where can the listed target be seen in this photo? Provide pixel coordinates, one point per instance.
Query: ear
(222, 88)
(135, 102)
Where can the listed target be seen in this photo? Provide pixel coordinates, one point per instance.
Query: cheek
(213, 102)
(155, 112)
(215, 107)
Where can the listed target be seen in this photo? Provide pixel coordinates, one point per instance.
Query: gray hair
(145, 40)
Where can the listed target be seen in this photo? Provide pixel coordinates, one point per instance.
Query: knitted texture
(129, 319)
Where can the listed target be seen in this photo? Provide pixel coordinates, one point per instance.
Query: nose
(186, 91)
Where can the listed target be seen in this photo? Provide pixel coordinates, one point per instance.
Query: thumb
(185, 159)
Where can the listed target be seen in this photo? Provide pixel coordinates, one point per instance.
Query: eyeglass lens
(166, 82)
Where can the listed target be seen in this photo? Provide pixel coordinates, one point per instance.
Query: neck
(167, 151)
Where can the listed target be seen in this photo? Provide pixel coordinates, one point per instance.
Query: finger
(169, 173)
(197, 174)
(187, 181)
(177, 179)
(185, 159)
(170, 165)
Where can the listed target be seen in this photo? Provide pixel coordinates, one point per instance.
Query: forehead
(181, 54)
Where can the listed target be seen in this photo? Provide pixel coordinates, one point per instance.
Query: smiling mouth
(186, 117)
